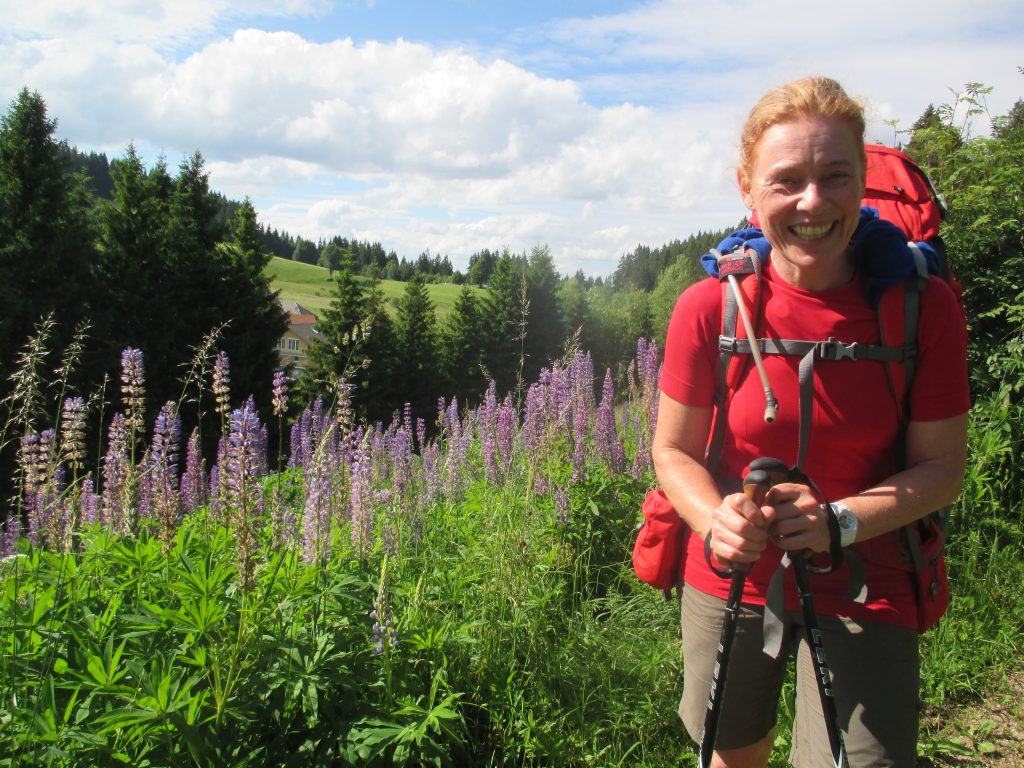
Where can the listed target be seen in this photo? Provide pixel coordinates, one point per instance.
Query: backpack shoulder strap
(898, 312)
(746, 266)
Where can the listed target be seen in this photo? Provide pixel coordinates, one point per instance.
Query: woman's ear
(744, 185)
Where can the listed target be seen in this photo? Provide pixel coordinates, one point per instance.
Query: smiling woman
(802, 171)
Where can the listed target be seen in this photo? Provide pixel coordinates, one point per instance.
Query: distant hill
(311, 287)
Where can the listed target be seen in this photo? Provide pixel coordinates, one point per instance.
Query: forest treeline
(120, 254)
(97, 256)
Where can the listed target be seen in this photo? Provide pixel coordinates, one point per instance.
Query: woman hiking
(802, 172)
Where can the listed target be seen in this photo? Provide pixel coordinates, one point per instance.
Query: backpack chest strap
(810, 351)
(829, 349)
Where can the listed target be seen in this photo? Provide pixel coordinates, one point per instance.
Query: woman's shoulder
(701, 297)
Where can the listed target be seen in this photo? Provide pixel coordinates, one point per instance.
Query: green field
(312, 288)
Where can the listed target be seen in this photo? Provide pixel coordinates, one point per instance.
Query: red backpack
(903, 195)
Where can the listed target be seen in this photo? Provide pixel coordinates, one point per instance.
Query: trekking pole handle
(756, 485)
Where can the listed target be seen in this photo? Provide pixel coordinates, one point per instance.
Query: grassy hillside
(312, 288)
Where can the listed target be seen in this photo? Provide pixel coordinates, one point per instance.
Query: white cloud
(163, 24)
(443, 149)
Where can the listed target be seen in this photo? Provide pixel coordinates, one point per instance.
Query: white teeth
(811, 231)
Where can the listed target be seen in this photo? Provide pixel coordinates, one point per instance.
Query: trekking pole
(822, 672)
(755, 486)
(771, 405)
(777, 471)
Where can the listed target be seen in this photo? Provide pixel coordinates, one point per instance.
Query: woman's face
(806, 184)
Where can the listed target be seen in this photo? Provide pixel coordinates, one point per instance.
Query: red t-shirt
(853, 437)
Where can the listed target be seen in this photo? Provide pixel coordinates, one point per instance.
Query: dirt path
(989, 733)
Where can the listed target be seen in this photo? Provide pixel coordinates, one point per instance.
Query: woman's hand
(797, 521)
(739, 530)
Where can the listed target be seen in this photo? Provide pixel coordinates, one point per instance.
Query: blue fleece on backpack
(879, 248)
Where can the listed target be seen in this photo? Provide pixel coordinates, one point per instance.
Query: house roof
(296, 310)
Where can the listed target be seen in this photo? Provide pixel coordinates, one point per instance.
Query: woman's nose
(810, 195)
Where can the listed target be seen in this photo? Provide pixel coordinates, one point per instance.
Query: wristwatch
(847, 524)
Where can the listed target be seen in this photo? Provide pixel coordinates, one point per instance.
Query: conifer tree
(545, 333)
(340, 327)
(461, 347)
(46, 236)
(507, 309)
(416, 341)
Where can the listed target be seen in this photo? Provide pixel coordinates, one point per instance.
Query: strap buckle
(728, 344)
(833, 349)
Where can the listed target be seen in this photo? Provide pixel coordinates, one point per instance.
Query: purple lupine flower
(491, 458)
(360, 509)
(541, 484)
(194, 489)
(280, 398)
(401, 459)
(646, 405)
(73, 433)
(161, 476)
(581, 423)
(385, 635)
(316, 519)
(222, 384)
(88, 504)
(241, 475)
(642, 458)
(54, 516)
(563, 505)
(32, 478)
(301, 439)
(507, 421)
(534, 418)
(116, 480)
(10, 532)
(606, 439)
(421, 433)
(133, 392)
(431, 455)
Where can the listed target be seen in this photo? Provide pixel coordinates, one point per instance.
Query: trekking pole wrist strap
(722, 573)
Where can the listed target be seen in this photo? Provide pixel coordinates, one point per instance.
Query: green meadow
(313, 288)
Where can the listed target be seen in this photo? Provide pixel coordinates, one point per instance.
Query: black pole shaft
(822, 673)
(721, 670)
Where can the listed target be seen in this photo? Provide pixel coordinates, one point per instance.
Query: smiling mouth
(811, 231)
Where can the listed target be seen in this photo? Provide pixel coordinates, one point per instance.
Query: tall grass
(379, 598)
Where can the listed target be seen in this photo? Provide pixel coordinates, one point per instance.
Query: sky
(455, 126)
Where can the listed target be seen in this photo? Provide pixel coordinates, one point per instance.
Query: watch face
(846, 520)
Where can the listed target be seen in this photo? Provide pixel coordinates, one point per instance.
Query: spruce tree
(333, 353)
(461, 347)
(507, 309)
(545, 333)
(416, 336)
(46, 235)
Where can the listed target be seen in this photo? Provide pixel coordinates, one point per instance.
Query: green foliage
(982, 180)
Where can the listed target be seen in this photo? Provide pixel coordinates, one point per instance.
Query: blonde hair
(807, 97)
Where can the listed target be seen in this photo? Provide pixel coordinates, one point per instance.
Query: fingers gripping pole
(755, 486)
(771, 405)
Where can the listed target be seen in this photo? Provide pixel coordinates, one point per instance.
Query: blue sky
(589, 127)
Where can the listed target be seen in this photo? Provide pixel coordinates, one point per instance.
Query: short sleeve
(691, 344)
